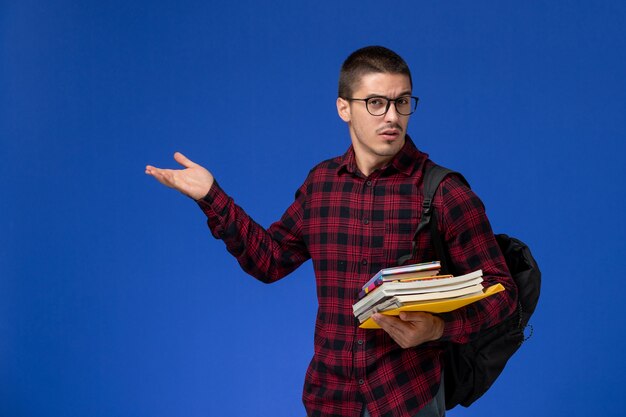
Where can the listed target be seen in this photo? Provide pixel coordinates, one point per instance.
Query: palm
(194, 181)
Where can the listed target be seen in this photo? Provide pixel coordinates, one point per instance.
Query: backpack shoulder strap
(433, 177)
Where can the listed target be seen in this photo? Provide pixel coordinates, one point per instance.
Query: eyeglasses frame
(389, 100)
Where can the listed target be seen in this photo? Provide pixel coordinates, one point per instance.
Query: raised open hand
(194, 181)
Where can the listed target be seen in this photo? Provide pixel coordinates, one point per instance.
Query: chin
(395, 144)
(388, 151)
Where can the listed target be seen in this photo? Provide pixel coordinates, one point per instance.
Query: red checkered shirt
(351, 226)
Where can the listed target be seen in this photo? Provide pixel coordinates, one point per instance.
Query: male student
(354, 215)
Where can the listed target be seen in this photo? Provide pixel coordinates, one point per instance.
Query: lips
(389, 134)
(390, 131)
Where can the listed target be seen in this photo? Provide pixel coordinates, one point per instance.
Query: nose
(392, 114)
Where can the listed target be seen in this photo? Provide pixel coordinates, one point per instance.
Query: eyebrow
(406, 93)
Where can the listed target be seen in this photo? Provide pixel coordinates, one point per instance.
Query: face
(375, 139)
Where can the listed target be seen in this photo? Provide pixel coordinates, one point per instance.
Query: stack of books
(417, 287)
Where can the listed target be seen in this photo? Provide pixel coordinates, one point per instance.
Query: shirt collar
(405, 161)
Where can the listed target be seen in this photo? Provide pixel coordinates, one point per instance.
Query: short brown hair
(370, 59)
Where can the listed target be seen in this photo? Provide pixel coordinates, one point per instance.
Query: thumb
(183, 160)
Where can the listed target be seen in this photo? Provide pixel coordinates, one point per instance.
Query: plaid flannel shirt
(351, 226)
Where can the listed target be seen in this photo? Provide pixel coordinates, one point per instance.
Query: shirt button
(366, 221)
(361, 382)
(360, 342)
(369, 183)
(364, 262)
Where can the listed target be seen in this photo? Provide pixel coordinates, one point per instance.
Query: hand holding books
(414, 328)
(393, 290)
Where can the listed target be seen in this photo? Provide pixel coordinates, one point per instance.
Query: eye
(377, 102)
(403, 101)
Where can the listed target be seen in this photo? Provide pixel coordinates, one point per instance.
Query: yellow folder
(437, 306)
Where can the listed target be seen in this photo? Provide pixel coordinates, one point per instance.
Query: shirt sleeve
(472, 245)
(267, 255)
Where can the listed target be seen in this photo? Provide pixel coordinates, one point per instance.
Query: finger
(164, 176)
(394, 327)
(430, 325)
(388, 323)
(154, 171)
(183, 160)
(413, 316)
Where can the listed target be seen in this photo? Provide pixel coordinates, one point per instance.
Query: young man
(354, 215)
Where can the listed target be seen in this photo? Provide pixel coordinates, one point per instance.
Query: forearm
(462, 324)
(267, 255)
(471, 246)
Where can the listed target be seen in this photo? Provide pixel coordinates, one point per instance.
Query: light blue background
(116, 301)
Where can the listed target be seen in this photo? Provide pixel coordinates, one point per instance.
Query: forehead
(385, 84)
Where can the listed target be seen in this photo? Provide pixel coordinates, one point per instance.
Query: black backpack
(470, 369)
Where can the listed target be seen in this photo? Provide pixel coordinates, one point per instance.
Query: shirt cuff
(215, 206)
(453, 326)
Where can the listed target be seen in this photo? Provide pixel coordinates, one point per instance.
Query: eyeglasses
(379, 106)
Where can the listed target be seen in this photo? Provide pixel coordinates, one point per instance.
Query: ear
(343, 109)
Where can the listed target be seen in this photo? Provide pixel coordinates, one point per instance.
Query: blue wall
(116, 301)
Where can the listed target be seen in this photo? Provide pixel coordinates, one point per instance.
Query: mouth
(390, 134)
